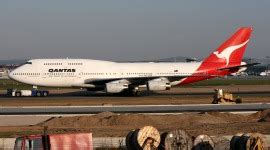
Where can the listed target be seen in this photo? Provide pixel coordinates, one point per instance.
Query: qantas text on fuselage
(62, 70)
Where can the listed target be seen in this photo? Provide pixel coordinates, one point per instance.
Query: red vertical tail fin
(228, 54)
(231, 52)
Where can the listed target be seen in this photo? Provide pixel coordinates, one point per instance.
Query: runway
(175, 96)
(35, 110)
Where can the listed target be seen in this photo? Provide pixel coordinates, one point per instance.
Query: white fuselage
(76, 72)
(114, 77)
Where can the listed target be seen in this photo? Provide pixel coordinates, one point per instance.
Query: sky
(122, 30)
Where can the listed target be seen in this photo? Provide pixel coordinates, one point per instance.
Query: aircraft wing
(132, 80)
(140, 80)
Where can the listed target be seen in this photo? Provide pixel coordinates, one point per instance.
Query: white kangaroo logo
(226, 53)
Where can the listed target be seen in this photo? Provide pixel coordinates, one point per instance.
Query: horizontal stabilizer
(238, 67)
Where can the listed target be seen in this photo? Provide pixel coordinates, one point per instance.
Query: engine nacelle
(115, 87)
(158, 85)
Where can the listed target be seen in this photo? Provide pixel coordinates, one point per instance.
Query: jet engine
(115, 87)
(159, 84)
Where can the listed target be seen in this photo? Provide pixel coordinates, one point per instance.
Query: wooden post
(46, 141)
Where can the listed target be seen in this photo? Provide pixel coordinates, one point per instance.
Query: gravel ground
(113, 125)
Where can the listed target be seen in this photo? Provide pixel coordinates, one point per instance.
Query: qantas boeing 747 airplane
(113, 77)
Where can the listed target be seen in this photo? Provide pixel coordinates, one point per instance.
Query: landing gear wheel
(18, 94)
(136, 92)
(130, 92)
(38, 94)
(45, 94)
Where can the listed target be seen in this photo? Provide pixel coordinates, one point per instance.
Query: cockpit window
(28, 63)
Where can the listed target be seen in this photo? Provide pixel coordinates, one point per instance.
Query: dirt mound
(105, 115)
(138, 120)
(133, 121)
(108, 124)
(265, 116)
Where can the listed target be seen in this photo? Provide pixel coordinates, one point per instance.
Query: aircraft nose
(11, 74)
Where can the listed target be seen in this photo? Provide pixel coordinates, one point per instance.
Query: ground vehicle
(222, 97)
(55, 141)
(34, 92)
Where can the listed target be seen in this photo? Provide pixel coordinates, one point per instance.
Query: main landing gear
(132, 92)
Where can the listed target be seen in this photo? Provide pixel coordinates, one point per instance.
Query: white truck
(33, 92)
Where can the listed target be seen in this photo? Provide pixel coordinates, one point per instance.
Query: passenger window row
(75, 63)
(62, 73)
(35, 74)
(98, 73)
(52, 64)
(173, 73)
